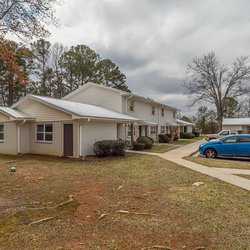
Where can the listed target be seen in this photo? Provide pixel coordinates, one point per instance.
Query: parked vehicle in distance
(220, 134)
(229, 146)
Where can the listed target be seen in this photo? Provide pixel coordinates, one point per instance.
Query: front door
(68, 140)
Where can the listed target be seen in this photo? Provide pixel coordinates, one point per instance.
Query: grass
(214, 216)
(183, 142)
(160, 149)
(220, 163)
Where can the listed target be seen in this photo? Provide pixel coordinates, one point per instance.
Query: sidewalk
(227, 175)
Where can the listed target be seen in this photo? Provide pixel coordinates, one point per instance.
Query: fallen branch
(157, 247)
(66, 202)
(135, 213)
(104, 215)
(42, 220)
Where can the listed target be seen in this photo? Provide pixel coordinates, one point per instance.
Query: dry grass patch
(244, 176)
(221, 163)
(163, 207)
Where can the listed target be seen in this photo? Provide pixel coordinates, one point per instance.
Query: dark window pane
(40, 128)
(48, 128)
(48, 137)
(39, 136)
(244, 139)
(1, 128)
(1, 136)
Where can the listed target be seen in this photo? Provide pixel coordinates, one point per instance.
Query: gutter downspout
(18, 136)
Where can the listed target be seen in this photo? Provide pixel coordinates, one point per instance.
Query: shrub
(187, 135)
(176, 138)
(196, 133)
(110, 147)
(147, 141)
(139, 146)
(163, 138)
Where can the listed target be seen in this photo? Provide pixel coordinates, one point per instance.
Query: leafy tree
(58, 84)
(231, 107)
(42, 68)
(82, 64)
(206, 120)
(213, 82)
(26, 18)
(110, 75)
(15, 65)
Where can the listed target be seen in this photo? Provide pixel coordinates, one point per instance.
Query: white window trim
(154, 130)
(44, 133)
(1, 124)
(165, 130)
(153, 110)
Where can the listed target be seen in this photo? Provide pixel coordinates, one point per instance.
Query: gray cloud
(153, 40)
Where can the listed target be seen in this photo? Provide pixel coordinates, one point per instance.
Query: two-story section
(155, 118)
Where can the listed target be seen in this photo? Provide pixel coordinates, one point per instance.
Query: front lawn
(134, 202)
(220, 163)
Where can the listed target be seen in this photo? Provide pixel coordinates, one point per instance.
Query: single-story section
(185, 127)
(236, 124)
(49, 126)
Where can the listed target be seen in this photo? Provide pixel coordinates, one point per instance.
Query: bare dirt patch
(90, 199)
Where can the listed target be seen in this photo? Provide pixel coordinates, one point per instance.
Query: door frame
(63, 124)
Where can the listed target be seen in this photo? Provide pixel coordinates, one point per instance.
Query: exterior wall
(43, 112)
(47, 148)
(4, 118)
(99, 96)
(9, 145)
(232, 127)
(189, 129)
(96, 131)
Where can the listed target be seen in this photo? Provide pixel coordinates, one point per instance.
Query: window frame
(131, 105)
(154, 129)
(44, 133)
(152, 110)
(162, 112)
(3, 133)
(165, 130)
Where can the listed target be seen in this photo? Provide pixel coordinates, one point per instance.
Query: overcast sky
(153, 40)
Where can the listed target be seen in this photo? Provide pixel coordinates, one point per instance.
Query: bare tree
(26, 18)
(214, 83)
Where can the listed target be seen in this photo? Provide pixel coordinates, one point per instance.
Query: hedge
(145, 140)
(163, 138)
(110, 147)
(138, 146)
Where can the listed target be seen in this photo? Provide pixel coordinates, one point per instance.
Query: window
(1, 132)
(131, 104)
(223, 133)
(153, 130)
(162, 112)
(230, 140)
(153, 110)
(44, 132)
(174, 114)
(243, 139)
(129, 130)
(163, 129)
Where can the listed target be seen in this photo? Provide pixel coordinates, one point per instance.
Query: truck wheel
(210, 153)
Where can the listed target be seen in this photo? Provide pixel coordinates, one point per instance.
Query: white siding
(4, 118)
(9, 145)
(93, 132)
(99, 96)
(47, 148)
(43, 112)
(232, 127)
